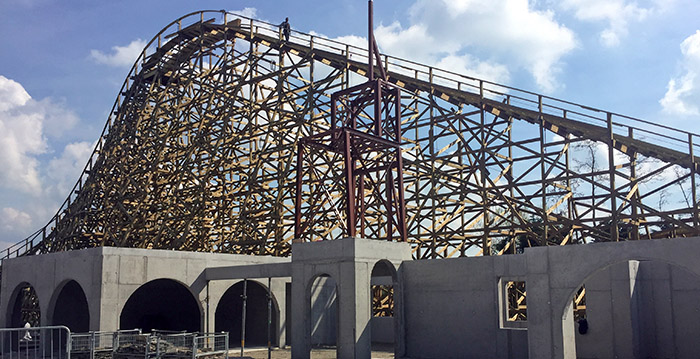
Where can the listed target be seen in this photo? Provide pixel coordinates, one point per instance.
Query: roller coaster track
(198, 154)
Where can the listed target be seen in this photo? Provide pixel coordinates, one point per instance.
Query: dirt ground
(261, 353)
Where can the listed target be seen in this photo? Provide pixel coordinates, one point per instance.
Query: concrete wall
(109, 276)
(641, 309)
(452, 308)
(47, 274)
(554, 274)
(324, 311)
(669, 311)
(609, 313)
(125, 270)
(643, 297)
(382, 330)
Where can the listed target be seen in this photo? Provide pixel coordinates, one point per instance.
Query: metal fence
(39, 342)
(98, 344)
(59, 343)
(192, 345)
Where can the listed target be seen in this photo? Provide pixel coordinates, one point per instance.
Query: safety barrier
(98, 344)
(132, 344)
(57, 342)
(32, 343)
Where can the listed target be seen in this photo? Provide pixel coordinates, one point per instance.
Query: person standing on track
(286, 29)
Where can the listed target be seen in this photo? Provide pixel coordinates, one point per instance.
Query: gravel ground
(261, 353)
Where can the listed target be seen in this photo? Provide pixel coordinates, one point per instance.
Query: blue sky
(62, 63)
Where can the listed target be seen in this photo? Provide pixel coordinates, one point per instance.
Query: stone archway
(24, 307)
(555, 274)
(229, 312)
(69, 307)
(384, 285)
(640, 309)
(163, 304)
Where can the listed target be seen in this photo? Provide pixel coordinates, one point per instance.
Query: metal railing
(98, 343)
(32, 343)
(155, 345)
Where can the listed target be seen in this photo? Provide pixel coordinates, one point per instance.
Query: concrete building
(642, 297)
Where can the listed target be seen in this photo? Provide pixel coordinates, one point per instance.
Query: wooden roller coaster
(199, 154)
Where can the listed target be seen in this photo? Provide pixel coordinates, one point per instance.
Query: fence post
(194, 346)
(226, 343)
(115, 342)
(69, 344)
(92, 344)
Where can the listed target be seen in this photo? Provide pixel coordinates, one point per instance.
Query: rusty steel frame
(198, 154)
(364, 136)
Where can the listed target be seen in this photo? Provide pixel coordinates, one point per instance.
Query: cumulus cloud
(249, 12)
(21, 138)
(683, 92)
(453, 32)
(33, 180)
(26, 129)
(14, 220)
(25, 126)
(121, 56)
(63, 171)
(617, 14)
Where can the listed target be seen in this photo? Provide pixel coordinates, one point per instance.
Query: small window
(382, 300)
(513, 303)
(580, 304)
(516, 294)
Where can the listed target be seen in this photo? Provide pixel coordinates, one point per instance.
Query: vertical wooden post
(614, 231)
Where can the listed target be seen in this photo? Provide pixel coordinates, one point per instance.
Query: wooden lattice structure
(198, 154)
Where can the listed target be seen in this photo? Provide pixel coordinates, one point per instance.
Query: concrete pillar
(354, 337)
(301, 325)
(622, 284)
(349, 261)
(540, 324)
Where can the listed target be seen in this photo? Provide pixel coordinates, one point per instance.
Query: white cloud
(249, 12)
(21, 138)
(32, 185)
(14, 220)
(618, 14)
(25, 126)
(467, 64)
(63, 171)
(12, 94)
(510, 31)
(121, 56)
(683, 92)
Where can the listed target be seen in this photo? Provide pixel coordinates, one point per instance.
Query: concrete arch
(69, 306)
(384, 267)
(163, 303)
(16, 316)
(227, 315)
(582, 276)
(555, 273)
(656, 306)
(384, 328)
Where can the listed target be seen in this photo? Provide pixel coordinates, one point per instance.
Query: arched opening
(383, 326)
(323, 294)
(635, 308)
(24, 307)
(228, 315)
(162, 304)
(70, 308)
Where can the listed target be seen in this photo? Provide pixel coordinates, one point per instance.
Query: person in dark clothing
(286, 29)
